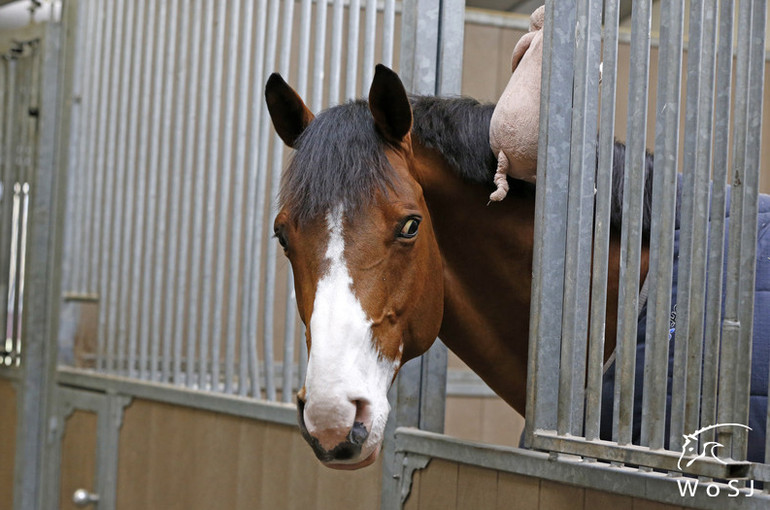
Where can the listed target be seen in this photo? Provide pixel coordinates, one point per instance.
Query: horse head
(355, 227)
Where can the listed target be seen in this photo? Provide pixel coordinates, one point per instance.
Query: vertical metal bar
(335, 57)
(213, 191)
(151, 300)
(388, 32)
(197, 314)
(631, 236)
(602, 221)
(550, 214)
(10, 310)
(141, 217)
(132, 227)
(257, 184)
(270, 279)
(241, 176)
(659, 274)
(755, 91)
(370, 34)
(111, 253)
(715, 269)
(320, 52)
(95, 69)
(451, 40)
(276, 166)
(193, 170)
(123, 196)
(23, 236)
(160, 312)
(731, 325)
(7, 241)
(419, 43)
(103, 178)
(702, 185)
(351, 73)
(225, 216)
(185, 79)
(580, 201)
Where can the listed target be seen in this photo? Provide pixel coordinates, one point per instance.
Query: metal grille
(720, 144)
(174, 168)
(19, 81)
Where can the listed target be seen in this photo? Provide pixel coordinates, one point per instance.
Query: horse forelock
(340, 161)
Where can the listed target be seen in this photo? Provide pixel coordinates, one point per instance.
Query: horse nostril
(358, 433)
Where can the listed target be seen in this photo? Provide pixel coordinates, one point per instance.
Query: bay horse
(383, 216)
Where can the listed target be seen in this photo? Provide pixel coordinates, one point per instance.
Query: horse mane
(459, 129)
(340, 157)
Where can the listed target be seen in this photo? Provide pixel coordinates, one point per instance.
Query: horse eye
(278, 234)
(409, 228)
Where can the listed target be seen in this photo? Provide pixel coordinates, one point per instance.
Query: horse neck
(487, 259)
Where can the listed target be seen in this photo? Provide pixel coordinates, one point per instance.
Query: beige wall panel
(476, 487)
(175, 457)
(554, 496)
(515, 491)
(413, 501)
(8, 444)
(482, 47)
(643, 504)
(78, 457)
(438, 486)
(597, 499)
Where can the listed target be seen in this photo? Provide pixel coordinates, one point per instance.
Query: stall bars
(173, 172)
(571, 194)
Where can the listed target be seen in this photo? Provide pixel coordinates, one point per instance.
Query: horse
(384, 218)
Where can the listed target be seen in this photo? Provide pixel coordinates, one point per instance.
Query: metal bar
(131, 227)
(141, 218)
(193, 170)
(160, 311)
(553, 175)
(715, 270)
(197, 266)
(257, 184)
(580, 201)
(151, 299)
(290, 328)
(664, 184)
(275, 177)
(23, 236)
(451, 42)
(370, 34)
(335, 57)
(186, 79)
(351, 73)
(211, 309)
(731, 326)
(7, 241)
(123, 189)
(268, 318)
(755, 91)
(631, 235)
(103, 179)
(91, 136)
(534, 355)
(388, 32)
(225, 213)
(318, 58)
(602, 221)
(241, 176)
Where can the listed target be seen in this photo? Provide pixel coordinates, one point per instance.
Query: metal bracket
(411, 462)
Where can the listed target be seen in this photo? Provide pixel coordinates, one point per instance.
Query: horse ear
(290, 115)
(389, 105)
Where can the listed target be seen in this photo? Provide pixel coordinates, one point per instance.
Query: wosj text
(689, 487)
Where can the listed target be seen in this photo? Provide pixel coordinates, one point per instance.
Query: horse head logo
(690, 445)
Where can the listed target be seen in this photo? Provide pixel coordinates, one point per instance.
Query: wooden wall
(445, 485)
(7, 442)
(173, 457)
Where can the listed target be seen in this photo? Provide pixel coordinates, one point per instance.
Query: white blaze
(344, 364)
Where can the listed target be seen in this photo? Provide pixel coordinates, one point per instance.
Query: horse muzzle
(335, 443)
